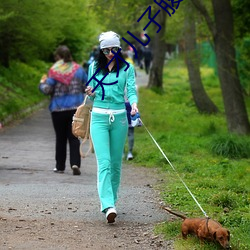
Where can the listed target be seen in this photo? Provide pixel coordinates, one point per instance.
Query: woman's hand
(43, 79)
(88, 91)
(134, 109)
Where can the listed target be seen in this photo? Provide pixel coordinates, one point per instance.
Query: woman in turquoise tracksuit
(109, 123)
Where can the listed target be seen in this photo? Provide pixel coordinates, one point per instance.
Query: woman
(65, 83)
(109, 123)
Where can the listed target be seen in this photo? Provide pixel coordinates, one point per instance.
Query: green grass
(19, 87)
(214, 164)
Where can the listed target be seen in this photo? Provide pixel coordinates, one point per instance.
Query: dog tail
(175, 213)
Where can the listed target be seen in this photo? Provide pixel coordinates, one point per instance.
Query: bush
(223, 200)
(231, 146)
(19, 88)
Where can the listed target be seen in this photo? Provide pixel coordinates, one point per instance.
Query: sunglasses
(107, 51)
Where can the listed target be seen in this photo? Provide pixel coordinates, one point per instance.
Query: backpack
(81, 126)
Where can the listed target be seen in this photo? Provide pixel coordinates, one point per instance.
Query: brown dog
(204, 229)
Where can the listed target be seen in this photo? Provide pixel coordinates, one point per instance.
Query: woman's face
(107, 52)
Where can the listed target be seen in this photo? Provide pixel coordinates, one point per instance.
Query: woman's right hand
(88, 91)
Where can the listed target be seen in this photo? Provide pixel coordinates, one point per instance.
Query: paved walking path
(31, 191)
(141, 78)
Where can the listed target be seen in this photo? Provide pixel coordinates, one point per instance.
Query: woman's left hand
(43, 79)
(134, 109)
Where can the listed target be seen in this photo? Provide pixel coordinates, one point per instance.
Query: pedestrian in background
(65, 84)
(140, 54)
(147, 54)
(109, 125)
(93, 55)
(131, 129)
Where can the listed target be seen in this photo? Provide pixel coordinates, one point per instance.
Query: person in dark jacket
(65, 84)
(147, 54)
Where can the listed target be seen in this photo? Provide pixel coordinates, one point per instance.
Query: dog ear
(228, 237)
(214, 235)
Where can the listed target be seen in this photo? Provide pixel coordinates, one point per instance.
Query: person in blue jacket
(65, 83)
(109, 124)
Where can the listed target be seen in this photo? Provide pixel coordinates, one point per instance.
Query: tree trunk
(223, 37)
(235, 109)
(201, 99)
(159, 50)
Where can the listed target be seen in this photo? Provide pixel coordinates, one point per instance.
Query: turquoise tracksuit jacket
(113, 94)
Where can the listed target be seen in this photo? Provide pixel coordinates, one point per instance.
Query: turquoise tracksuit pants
(108, 133)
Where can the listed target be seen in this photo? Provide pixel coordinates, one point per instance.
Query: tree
(241, 17)
(122, 21)
(28, 33)
(223, 37)
(111, 15)
(242, 32)
(201, 99)
(159, 50)
(23, 33)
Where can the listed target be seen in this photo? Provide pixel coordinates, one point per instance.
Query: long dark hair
(102, 62)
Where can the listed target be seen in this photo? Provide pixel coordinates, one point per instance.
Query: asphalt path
(31, 190)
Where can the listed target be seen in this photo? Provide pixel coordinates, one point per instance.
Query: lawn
(214, 164)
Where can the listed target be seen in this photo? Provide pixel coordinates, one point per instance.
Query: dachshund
(204, 229)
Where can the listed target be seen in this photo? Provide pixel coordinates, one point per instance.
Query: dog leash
(174, 169)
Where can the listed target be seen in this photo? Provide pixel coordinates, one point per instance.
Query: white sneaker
(130, 156)
(58, 171)
(111, 214)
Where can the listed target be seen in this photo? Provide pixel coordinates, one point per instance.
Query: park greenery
(213, 161)
(28, 35)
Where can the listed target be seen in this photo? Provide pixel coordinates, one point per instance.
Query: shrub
(223, 200)
(231, 146)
